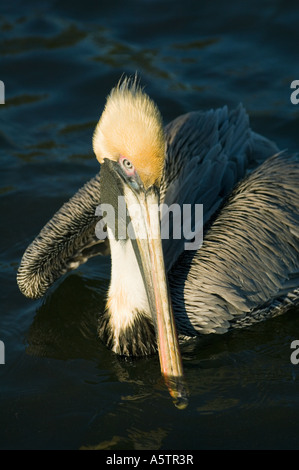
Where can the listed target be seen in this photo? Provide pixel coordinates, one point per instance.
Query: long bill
(143, 209)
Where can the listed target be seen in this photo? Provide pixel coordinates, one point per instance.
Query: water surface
(60, 387)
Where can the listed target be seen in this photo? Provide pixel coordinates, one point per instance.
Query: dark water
(60, 388)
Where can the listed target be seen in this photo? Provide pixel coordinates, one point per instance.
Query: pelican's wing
(248, 266)
(65, 242)
(207, 153)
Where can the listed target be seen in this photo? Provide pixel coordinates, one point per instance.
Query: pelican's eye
(127, 166)
(130, 173)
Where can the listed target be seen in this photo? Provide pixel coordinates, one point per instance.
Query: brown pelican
(247, 268)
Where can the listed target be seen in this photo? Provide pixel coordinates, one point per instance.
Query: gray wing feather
(207, 153)
(248, 266)
(65, 242)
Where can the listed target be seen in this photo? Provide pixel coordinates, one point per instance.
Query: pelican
(247, 267)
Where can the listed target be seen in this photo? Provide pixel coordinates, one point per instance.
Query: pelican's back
(248, 266)
(207, 154)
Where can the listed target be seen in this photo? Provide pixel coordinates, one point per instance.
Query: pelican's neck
(127, 326)
(127, 294)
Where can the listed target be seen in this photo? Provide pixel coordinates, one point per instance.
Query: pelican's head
(129, 143)
(131, 128)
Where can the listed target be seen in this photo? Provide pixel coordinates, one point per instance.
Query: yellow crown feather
(131, 126)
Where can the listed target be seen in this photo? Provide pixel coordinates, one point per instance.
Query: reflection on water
(143, 440)
(60, 387)
(65, 325)
(69, 36)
